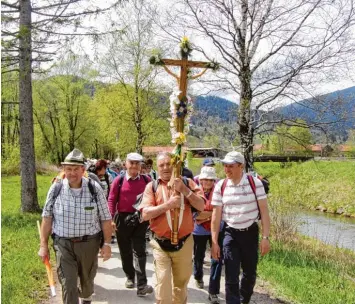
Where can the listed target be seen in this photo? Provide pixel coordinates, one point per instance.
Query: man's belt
(83, 238)
(164, 239)
(252, 226)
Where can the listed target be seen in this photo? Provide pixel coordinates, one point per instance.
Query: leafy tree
(9, 115)
(116, 119)
(61, 112)
(286, 139)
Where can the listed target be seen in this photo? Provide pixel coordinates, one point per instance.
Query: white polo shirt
(240, 209)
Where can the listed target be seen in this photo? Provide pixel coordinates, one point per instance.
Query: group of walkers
(85, 207)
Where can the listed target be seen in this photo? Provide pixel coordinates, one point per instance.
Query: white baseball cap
(233, 158)
(208, 173)
(134, 157)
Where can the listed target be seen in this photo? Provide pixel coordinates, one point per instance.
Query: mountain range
(335, 112)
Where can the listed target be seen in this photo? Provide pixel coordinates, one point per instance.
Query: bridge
(282, 158)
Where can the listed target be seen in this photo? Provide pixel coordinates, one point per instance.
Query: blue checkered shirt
(76, 216)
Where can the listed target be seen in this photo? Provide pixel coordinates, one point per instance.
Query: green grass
(325, 184)
(306, 271)
(23, 275)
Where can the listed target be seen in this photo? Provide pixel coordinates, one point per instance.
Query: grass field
(23, 276)
(306, 271)
(327, 185)
(298, 269)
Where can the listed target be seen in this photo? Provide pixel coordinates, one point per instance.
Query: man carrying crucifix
(168, 205)
(173, 263)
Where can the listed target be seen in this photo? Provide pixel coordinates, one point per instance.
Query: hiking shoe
(129, 284)
(199, 284)
(213, 298)
(143, 291)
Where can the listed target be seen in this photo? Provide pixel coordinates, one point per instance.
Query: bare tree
(25, 45)
(271, 51)
(126, 62)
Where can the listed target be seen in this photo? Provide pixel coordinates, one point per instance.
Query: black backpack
(58, 187)
(59, 184)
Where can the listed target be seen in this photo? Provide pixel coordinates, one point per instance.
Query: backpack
(58, 187)
(59, 184)
(250, 178)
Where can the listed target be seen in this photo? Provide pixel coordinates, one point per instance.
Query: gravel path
(110, 279)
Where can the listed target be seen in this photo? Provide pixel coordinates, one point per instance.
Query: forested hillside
(215, 113)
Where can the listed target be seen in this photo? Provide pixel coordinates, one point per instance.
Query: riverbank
(316, 185)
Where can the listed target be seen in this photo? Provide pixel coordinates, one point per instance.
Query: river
(331, 229)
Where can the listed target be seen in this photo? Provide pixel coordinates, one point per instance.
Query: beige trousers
(173, 271)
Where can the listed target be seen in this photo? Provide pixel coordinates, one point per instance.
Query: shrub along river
(330, 229)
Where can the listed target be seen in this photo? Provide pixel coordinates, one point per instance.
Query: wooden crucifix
(179, 115)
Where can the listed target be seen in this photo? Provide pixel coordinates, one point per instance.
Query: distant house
(207, 152)
(258, 148)
(153, 151)
(345, 151)
(150, 151)
(321, 150)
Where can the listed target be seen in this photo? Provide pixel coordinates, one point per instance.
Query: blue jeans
(240, 250)
(200, 242)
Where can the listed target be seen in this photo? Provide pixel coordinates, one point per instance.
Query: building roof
(207, 149)
(344, 148)
(157, 149)
(258, 147)
(317, 147)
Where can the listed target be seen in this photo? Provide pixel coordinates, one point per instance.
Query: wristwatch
(265, 237)
(107, 244)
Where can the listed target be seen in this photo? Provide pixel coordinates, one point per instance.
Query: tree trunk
(244, 117)
(138, 121)
(29, 202)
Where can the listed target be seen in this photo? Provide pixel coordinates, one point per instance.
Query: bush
(11, 164)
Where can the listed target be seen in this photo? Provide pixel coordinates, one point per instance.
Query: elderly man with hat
(202, 235)
(76, 218)
(235, 203)
(130, 232)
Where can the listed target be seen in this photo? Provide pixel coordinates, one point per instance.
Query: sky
(344, 81)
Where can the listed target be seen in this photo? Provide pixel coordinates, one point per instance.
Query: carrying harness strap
(182, 204)
(253, 187)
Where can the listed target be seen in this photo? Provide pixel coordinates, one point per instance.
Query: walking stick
(175, 225)
(48, 268)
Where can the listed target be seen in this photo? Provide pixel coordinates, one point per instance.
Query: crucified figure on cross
(180, 105)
